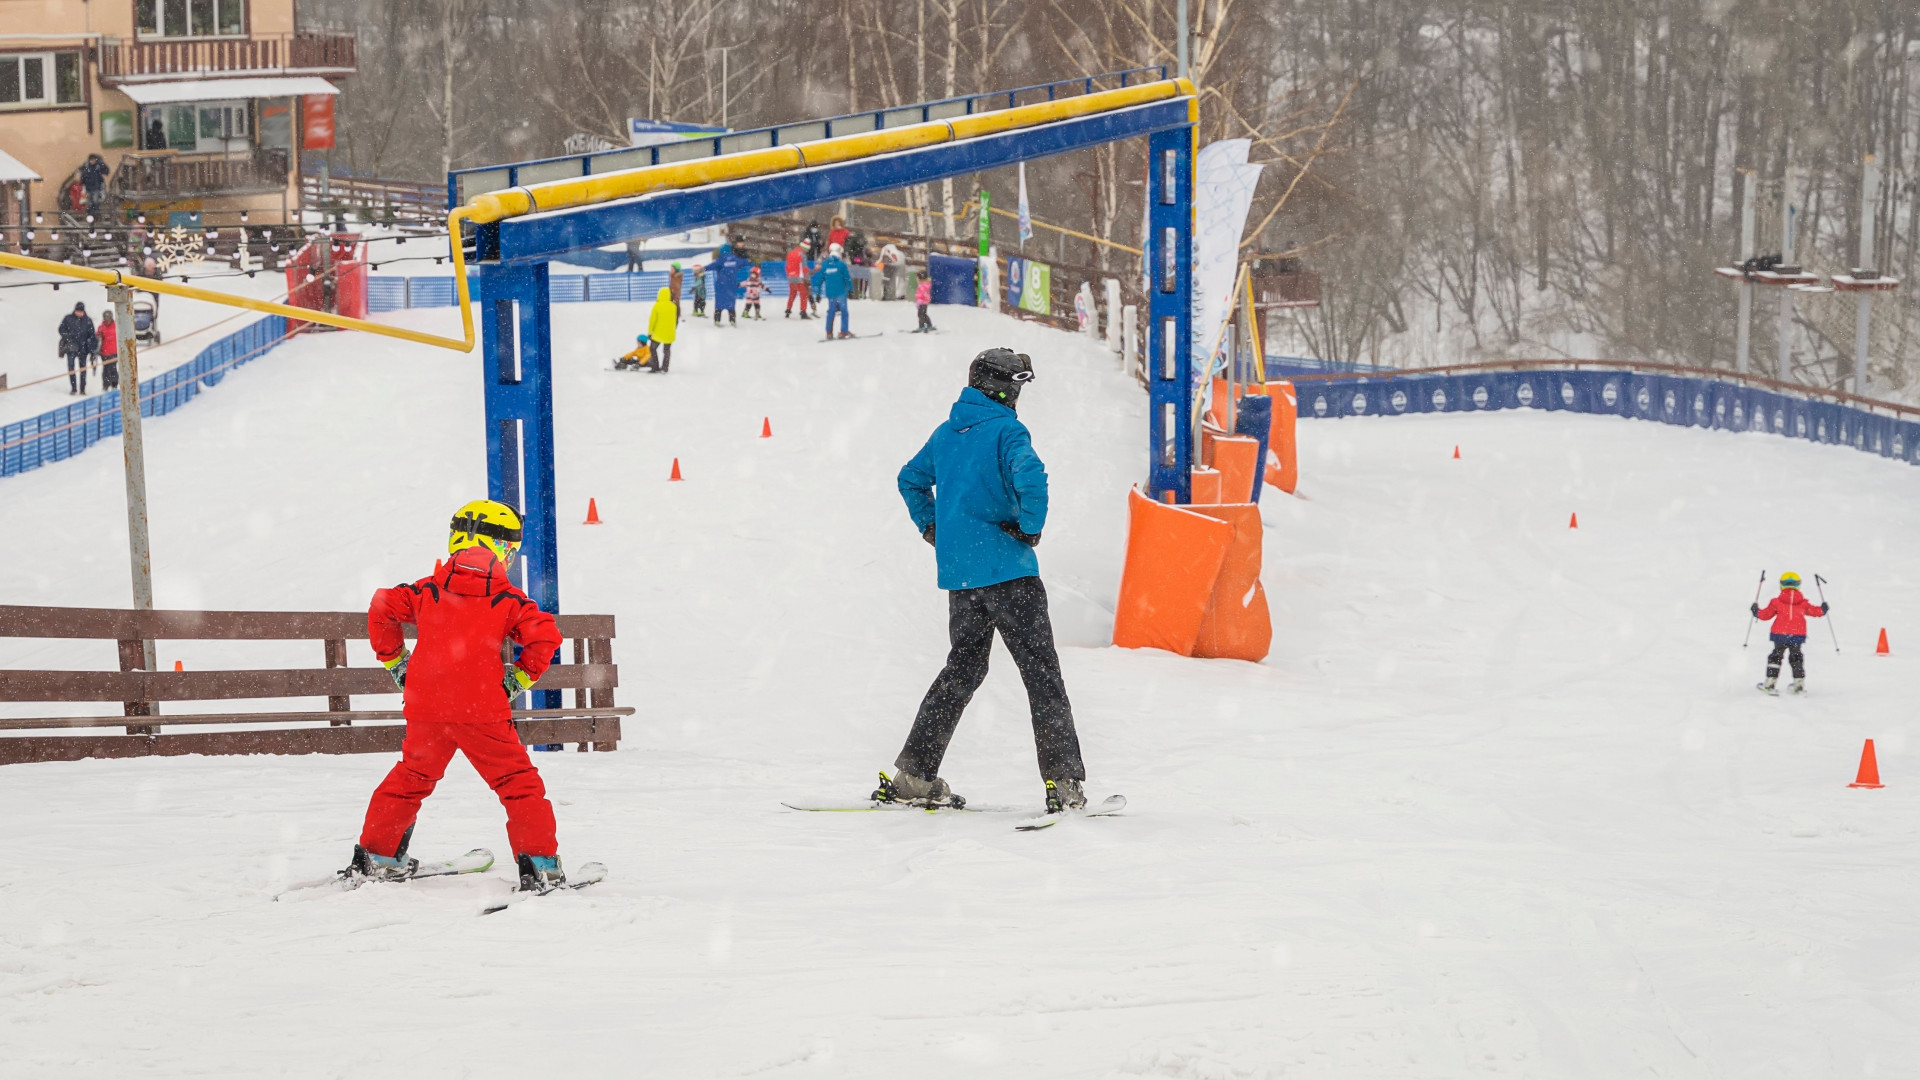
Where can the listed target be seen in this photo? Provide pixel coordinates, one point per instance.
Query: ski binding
(589, 874)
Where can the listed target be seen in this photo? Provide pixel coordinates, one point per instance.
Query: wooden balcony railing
(164, 174)
(308, 53)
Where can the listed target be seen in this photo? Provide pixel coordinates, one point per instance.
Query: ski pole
(1821, 584)
(1751, 618)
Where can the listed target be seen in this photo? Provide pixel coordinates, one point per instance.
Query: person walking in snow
(663, 322)
(922, 296)
(77, 343)
(798, 288)
(813, 241)
(109, 349)
(726, 267)
(1789, 611)
(753, 290)
(677, 282)
(459, 696)
(978, 493)
(700, 292)
(834, 280)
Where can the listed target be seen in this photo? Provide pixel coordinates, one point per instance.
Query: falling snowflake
(177, 246)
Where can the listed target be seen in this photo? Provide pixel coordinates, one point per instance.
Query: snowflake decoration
(177, 246)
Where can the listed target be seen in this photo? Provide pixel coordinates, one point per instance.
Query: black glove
(1013, 529)
(927, 533)
(1756, 611)
(1825, 607)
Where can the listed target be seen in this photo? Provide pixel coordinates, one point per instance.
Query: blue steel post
(517, 354)
(1170, 314)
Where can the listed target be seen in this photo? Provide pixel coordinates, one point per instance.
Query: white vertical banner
(1222, 196)
(1026, 217)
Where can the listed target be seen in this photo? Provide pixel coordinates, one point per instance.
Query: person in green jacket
(661, 324)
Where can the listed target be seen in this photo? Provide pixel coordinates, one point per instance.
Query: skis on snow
(477, 861)
(1112, 804)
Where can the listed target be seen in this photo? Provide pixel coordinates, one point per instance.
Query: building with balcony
(197, 109)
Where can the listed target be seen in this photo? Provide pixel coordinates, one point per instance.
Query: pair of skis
(1112, 804)
(477, 861)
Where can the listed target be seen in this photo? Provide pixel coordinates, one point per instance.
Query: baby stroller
(146, 317)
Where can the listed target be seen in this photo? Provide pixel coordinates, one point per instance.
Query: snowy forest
(1472, 180)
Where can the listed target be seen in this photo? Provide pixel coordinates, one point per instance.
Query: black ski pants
(1790, 648)
(76, 372)
(1018, 610)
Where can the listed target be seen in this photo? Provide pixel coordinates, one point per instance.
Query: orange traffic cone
(593, 513)
(1869, 768)
(1881, 649)
(766, 427)
(179, 666)
(436, 568)
(676, 470)
(1456, 453)
(1573, 521)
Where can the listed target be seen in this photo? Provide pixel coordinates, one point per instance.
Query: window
(190, 18)
(39, 80)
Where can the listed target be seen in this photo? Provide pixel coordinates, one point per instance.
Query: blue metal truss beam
(539, 237)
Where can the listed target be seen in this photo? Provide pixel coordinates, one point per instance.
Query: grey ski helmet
(1000, 373)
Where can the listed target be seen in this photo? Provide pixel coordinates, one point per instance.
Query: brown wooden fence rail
(593, 720)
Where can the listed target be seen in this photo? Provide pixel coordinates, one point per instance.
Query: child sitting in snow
(641, 356)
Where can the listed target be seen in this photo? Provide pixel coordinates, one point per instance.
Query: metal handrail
(508, 175)
(1629, 366)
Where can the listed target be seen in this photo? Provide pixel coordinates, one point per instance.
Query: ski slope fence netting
(63, 432)
(394, 293)
(1682, 400)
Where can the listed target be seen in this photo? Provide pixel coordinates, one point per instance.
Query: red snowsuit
(797, 284)
(454, 699)
(1790, 612)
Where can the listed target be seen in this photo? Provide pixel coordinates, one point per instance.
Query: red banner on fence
(316, 123)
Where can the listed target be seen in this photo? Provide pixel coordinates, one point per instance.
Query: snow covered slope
(1502, 801)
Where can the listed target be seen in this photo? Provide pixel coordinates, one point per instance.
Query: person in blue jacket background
(834, 280)
(726, 267)
(978, 493)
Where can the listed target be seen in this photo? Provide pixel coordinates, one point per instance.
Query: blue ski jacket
(727, 268)
(834, 279)
(977, 470)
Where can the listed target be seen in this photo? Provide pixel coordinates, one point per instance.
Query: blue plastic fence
(1685, 401)
(64, 432)
(391, 293)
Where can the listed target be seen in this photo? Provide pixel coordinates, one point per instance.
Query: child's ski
(479, 860)
(589, 874)
(1113, 804)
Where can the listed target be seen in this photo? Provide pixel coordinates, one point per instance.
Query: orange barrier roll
(1236, 457)
(1166, 583)
(1217, 408)
(1237, 625)
(1283, 462)
(1206, 485)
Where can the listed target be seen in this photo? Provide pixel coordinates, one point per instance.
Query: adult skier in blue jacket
(978, 493)
(834, 280)
(727, 268)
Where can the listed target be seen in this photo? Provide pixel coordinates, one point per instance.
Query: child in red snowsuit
(459, 695)
(798, 286)
(1789, 612)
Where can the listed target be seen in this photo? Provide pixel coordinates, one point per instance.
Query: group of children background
(810, 278)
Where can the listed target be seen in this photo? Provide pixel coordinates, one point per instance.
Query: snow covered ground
(1502, 801)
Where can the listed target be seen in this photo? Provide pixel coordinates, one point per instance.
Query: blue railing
(64, 432)
(463, 184)
(1682, 400)
(392, 293)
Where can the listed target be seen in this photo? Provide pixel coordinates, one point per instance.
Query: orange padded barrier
(1236, 457)
(1206, 486)
(1166, 584)
(1217, 408)
(1283, 461)
(1237, 626)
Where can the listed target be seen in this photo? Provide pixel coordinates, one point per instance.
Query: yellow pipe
(168, 288)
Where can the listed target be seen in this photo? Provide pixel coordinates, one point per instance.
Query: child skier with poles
(1789, 611)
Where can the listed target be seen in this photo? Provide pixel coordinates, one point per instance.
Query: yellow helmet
(488, 524)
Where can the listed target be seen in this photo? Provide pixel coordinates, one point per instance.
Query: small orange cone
(1573, 521)
(1456, 453)
(436, 568)
(593, 513)
(1881, 649)
(179, 666)
(766, 427)
(676, 470)
(1869, 769)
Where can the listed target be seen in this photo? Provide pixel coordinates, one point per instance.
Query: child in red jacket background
(1789, 612)
(459, 696)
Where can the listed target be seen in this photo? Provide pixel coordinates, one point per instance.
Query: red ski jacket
(464, 614)
(1790, 612)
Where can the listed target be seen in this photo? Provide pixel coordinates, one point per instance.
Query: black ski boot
(1065, 795)
(540, 873)
(370, 867)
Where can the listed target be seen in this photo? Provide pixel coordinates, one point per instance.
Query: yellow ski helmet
(1789, 580)
(488, 524)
